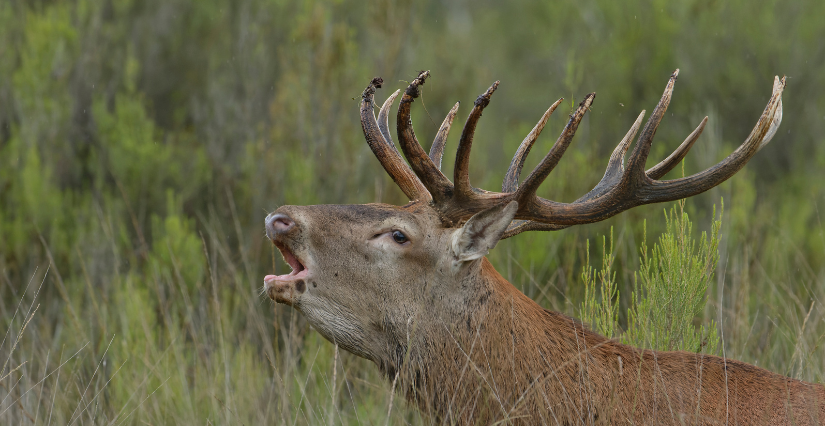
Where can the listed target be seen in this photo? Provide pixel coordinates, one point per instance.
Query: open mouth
(298, 268)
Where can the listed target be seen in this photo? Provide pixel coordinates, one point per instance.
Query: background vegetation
(143, 142)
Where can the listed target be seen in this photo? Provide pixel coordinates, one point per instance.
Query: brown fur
(469, 348)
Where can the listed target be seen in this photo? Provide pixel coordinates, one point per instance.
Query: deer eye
(399, 237)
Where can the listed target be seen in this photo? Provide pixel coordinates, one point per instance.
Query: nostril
(279, 223)
(283, 224)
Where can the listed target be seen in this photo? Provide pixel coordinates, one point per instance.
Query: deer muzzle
(280, 227)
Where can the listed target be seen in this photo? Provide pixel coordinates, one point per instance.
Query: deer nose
(277, 224)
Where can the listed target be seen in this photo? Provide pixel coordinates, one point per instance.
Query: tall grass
(222, 355)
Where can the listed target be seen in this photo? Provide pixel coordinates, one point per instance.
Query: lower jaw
(282, 295)
(278, 290)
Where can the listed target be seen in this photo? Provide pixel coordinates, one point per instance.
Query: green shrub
(669, 290)
(600, 307)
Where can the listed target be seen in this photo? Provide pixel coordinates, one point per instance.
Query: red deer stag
(409, 287)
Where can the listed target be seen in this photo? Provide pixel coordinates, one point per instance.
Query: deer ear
(482, 232)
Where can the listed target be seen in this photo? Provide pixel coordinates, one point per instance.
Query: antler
(379, 140)
(621, 188)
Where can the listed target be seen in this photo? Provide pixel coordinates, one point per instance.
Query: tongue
(270, 278)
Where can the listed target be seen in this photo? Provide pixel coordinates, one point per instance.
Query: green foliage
(34, 201)
(42, 80)
(670, 290)
(600, 307)
(176, 248)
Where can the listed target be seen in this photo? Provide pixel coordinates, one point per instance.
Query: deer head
(409, 288)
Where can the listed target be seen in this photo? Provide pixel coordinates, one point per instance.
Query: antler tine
(389, 157)
(437, 150)
(678, 155)
(510, 183)
(461, 173)
(765, 128)
(528, 190)
(439, 187)
(615, 166)
(636, 162)
(384, 118)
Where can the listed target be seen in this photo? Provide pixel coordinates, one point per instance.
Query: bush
(669, 290)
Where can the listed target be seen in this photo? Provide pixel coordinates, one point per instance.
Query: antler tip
(484, 99)
(675, 73)
(412, 89)
(778, 84)
(370, 90)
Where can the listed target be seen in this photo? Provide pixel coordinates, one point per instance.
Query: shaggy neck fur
(498, 356)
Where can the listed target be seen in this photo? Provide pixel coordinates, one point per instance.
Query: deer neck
(497, 351)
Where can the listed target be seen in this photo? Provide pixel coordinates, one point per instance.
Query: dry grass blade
(83, 395)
